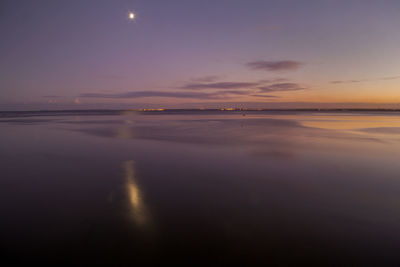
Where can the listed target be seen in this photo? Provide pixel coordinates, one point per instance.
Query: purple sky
(86, 53)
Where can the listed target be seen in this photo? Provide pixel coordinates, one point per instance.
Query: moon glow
(131, 15)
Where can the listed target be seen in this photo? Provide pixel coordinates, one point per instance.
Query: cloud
(220, 85)
(274, 80)
(232, 85)
(281, 65)
(366, 80)
(347, 81)
(193, 95)
(233, 92)
(266, 96)
(280, 87)
(390, 78)
(217, 90)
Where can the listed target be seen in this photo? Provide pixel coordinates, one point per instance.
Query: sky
(189, 54)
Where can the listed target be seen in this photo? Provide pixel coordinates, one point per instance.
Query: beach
(274, 187)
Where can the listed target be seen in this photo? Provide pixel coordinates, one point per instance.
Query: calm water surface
(280, 188)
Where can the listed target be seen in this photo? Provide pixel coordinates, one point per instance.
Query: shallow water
(219, 187)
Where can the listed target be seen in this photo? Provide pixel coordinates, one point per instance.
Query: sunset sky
(187, 53)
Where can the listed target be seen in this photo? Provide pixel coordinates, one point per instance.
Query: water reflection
(139, 211)
(124, 132)
(277, 138)
(275, 188)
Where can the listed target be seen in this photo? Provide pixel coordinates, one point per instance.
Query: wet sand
(215, 187)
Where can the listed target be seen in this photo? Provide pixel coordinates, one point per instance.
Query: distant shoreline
(5, 114)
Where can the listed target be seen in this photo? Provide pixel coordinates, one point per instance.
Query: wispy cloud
(280, 87)
(192, 95)
(266, 96)
(366, 80)
(390, 78)
(346, 81)
(274, 80)
(220, 85)
(234, 92)
(221, 94)
(216, 90)
(282, 65)
(140, 94)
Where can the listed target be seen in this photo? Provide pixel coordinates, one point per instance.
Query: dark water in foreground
(278, 188)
